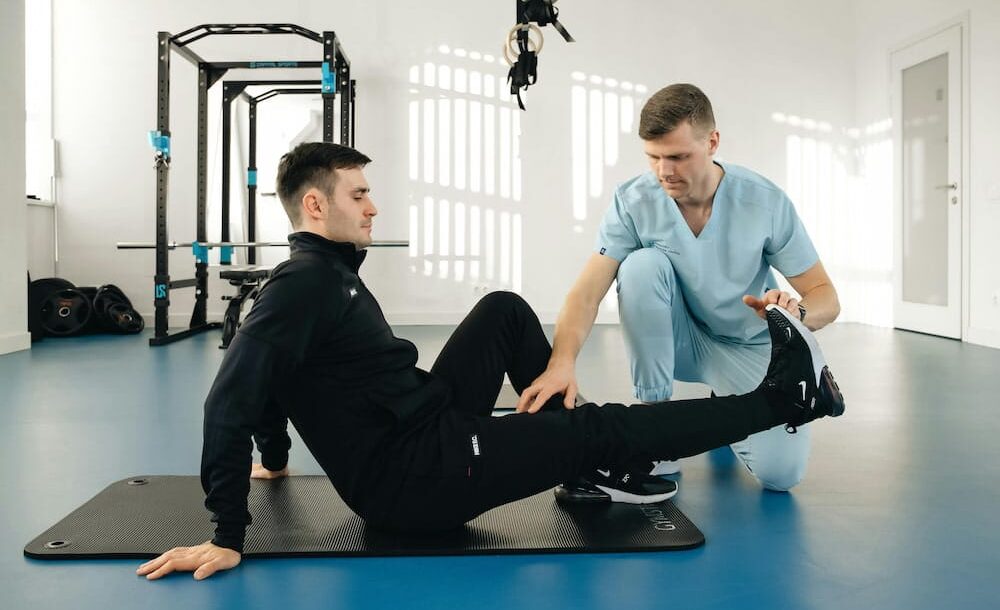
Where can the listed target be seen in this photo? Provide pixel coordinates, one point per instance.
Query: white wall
(904, 20)
(782, 81)
(39, 232)
(13, 251)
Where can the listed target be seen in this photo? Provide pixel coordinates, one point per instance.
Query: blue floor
(900, 508)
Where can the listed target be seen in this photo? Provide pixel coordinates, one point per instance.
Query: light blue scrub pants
(664, 343)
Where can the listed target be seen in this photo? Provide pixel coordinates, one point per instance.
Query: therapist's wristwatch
(802, 313)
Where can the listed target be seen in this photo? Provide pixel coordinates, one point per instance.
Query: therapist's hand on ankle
(772, 297)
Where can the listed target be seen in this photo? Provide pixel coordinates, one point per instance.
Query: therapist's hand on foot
(259, 472)
(772, 297)
(204, 560)
(555, 380)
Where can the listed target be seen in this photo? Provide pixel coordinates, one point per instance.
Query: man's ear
(312, 205)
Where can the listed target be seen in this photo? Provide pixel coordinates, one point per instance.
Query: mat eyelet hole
(57, 544)
(138, 481)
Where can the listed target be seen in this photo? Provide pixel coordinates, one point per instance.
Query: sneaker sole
(828, 389)
(564, 495)
(626, 498)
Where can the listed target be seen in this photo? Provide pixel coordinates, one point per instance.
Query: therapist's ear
(713, 142)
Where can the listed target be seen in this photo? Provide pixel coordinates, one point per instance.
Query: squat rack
(231, 91)
(335, 79)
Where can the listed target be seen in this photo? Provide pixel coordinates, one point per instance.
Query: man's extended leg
(664, 345)
(519, 455)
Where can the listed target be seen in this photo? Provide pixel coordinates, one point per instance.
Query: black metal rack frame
(335, 79)
(231, 91)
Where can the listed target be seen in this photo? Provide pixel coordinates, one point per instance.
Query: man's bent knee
(502, 300)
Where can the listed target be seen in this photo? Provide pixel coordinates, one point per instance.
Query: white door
(927, 138)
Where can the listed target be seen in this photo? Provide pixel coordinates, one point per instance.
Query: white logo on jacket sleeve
(353, 292)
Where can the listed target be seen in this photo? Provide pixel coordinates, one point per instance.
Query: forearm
(234, 410)
(572, 329)
(225, 477)
(822, 306)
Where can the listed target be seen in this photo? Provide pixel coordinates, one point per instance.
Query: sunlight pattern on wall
(602, 111)
(465, 166)
(841, 183)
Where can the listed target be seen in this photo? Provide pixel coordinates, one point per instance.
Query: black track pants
(477, 462)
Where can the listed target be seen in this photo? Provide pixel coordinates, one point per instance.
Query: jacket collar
(304, 241)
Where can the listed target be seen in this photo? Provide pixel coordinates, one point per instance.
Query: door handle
(951, 187)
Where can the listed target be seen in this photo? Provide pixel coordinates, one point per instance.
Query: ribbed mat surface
(303, 515)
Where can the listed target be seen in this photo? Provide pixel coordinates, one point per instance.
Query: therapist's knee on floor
(777, 472)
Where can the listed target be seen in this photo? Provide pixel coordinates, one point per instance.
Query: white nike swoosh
(803, 384)
(605, 473)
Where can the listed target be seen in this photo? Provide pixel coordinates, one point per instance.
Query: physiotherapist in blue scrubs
(692, 244)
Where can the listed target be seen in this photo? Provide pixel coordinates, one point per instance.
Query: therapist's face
(682, 161)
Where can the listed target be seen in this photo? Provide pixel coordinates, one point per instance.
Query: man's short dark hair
(671, 106)
(312, 164)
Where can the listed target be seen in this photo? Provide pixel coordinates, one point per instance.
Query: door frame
(962, 21)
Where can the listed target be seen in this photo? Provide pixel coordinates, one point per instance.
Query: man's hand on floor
(204, 560)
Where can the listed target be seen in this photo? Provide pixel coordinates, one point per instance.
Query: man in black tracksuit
(413, 450)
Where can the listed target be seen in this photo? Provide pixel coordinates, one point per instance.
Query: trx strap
(524, 71)
(521, 50)
(544, 12)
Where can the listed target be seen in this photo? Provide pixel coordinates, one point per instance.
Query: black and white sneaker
(608, 486)
(797, 372)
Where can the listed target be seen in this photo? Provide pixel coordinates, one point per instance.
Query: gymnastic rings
(510, 49)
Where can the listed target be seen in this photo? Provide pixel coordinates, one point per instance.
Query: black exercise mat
(303, 516)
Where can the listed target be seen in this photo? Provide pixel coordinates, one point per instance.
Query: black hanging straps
(521, 50)
(544, 12)
(524, 72)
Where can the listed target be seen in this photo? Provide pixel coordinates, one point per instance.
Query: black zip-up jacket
(315, 349)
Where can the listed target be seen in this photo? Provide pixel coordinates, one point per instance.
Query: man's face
(349, 210)
(682, 161)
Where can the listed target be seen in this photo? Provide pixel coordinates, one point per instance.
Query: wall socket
(996, 298)
(481, 290)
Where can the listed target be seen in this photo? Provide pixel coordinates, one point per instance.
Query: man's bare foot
(259, 472)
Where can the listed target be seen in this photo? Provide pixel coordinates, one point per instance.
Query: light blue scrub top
(753, 227)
